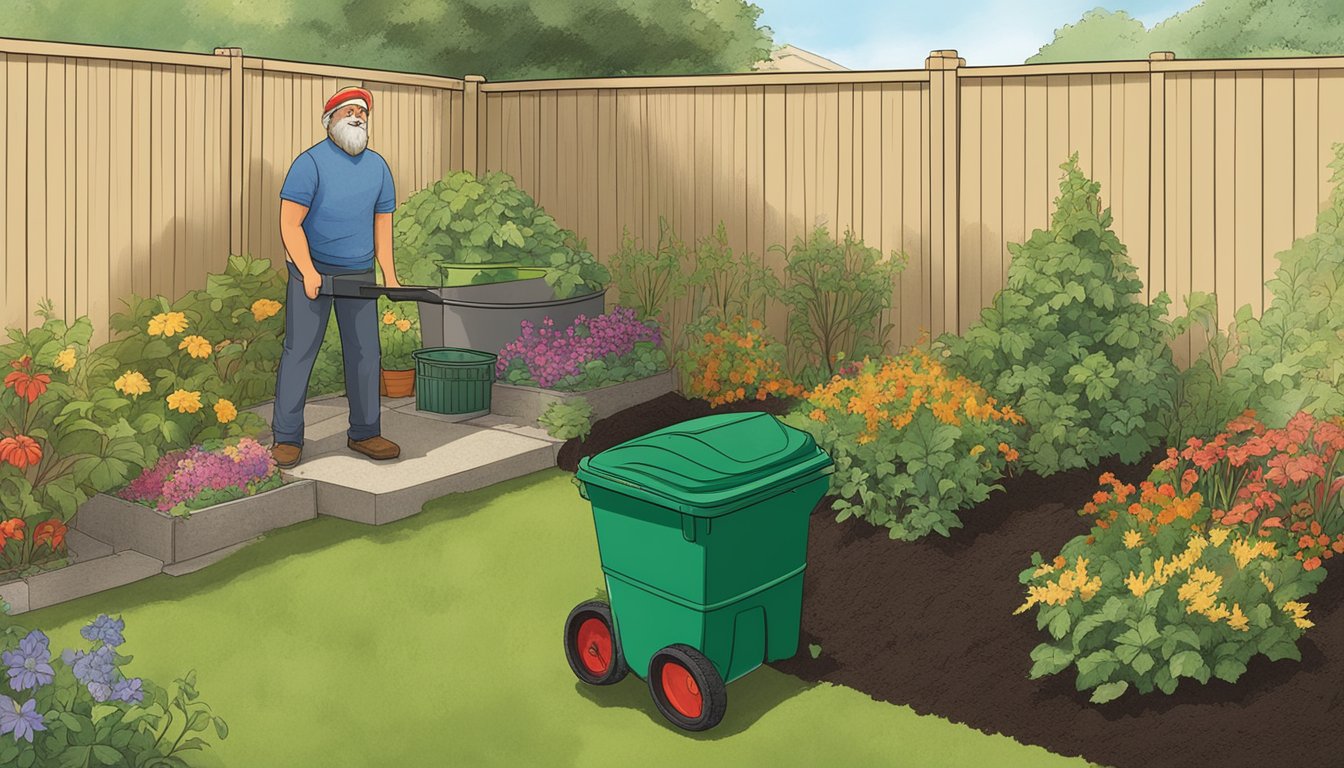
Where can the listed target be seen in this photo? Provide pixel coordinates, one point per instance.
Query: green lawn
(436, 641)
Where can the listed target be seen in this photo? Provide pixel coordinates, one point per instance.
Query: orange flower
(26, 384)
(51, 532)
(20, 451)
(11, 529)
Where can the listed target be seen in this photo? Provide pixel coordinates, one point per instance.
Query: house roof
(789, 58)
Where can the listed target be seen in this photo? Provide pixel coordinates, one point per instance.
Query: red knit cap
(346, 95)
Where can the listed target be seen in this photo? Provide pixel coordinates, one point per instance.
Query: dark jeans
(305, 325)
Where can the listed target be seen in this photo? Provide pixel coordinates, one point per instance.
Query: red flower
(27, 385)
(51, 532)
(1188, 480)
(11, 529)
(1246, 422)
(21, 451)
(1311, 564)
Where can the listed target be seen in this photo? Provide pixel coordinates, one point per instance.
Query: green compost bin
(702, 533)
(454, 381)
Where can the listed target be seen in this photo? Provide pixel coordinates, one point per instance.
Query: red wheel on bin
(687, 689)
(591, 646)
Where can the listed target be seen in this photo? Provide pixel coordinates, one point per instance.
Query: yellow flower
(167, 324)
(389, 318)
(1139, 584)
(264, 308)
(1265, 580)
(817, 415)
(225, 411)
(1133, 540)
(403, 325)
(1218, 613)
(196, 346)
(1299, 613)
(1218, 536)
(1238, 619)
(1244, 553)
(132, 383)
(66, 359)
(183, 401)
(977, 450)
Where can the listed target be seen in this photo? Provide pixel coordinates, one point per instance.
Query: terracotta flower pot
(396, 383)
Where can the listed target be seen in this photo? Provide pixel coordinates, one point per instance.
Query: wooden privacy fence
(129, 170)
(133, 171)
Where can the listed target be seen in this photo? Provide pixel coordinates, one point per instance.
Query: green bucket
(453, 381)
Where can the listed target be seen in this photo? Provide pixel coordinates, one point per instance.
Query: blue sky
(898, 34)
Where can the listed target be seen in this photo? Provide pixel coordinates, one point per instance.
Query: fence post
(471, 115)
(1157, 176)
(235, 128)
(943, 222)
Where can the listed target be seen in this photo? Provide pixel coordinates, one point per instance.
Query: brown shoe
(377, 447)
(286, 455)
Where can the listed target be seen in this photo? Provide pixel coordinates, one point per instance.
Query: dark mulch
(929, 624)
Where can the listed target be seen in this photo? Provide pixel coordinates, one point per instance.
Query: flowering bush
(734, 360)
(78, 708)
(398, 333)
(1071, 342)
(204, 475)
(590, 353)
(1170, 582)
(912, 442)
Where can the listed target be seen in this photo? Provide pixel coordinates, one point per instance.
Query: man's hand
(391, 281)
(312, 283)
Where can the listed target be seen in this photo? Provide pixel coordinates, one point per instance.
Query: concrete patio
(439, 455)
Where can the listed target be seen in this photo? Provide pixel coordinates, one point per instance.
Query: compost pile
(930, 625)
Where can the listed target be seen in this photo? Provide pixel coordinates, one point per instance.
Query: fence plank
(1250, 174)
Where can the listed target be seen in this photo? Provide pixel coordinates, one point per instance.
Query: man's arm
(382, 248)
(296, 245)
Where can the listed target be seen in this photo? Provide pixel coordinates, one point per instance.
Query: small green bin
(454, 381)
(702, 533)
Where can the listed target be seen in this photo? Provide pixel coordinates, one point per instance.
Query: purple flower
(100, 691)
(20, 719)
(106, 629)
(128, 691)
(30, 665)
(181, 476)
(96, 667)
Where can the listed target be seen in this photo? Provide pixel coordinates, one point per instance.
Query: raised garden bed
(930, 625)
(528, 403)
(172, 539)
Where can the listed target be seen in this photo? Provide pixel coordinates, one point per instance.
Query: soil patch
(929, 625)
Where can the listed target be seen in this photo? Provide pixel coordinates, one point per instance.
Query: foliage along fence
(1211, 167)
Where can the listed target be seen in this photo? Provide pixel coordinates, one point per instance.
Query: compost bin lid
(711, 461)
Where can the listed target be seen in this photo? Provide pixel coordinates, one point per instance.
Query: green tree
(501, 39)
(1213, 29)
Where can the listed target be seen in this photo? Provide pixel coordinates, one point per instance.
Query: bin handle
(688, 527)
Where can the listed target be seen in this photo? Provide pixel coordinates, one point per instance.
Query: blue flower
(100, 691)
(30, 665)
(96, 667)
(106, 629)
(20, 720)
(128, 691)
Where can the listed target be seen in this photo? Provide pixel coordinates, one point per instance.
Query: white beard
(350, 134)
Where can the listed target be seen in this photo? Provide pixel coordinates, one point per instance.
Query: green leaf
(1049, 660)
(1229, 670)
(1186, 664)
(106, 755)
(1109, 691)
(102, 710)
(1142, 662)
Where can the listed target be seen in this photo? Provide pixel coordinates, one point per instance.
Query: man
(335, 219)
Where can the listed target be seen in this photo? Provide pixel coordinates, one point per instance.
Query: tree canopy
(1213, 29)
(501, 39)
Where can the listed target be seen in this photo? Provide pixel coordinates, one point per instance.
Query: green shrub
(1158, 591)
(1071, 342)
(836, 293)
(648, 280)
(1204, 400)
(566, 420)
(913, 444)
(463, 219)
(1291, 358)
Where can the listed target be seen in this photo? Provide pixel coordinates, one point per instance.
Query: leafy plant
(463, 219)
(648, 280)
(913, 444)
(1291, 358)
(568, 419)
(590, 353)
(1071, 342)
(1204, 400)
(836, 293)
(398, 333)
(1158, 592)
(730, 360)
(79, 709)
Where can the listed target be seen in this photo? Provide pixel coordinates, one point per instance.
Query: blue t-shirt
(342, 193)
